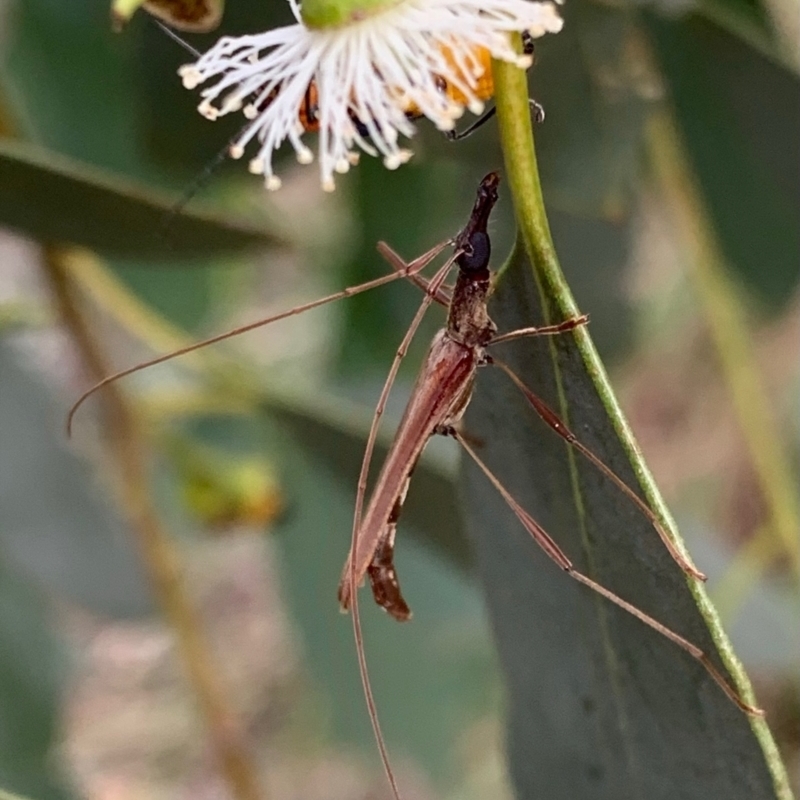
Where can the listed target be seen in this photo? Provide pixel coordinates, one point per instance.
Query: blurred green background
(252, 447)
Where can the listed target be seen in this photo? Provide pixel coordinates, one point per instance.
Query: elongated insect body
(438, 400)
(439, 397)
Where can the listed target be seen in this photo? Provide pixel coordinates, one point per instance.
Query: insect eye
(476, 253)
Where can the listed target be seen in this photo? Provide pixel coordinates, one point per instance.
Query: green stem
(522, 174)
(161, 558)
(726, 319)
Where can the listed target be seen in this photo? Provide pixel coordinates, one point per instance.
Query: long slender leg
(457, 136)
(398, 265)
(408, 270)
(542, 330)
(560, 427)
(545, 541)
(348, 591)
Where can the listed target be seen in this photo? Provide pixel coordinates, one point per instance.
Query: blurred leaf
(56, 522)
(185, 292)
(590, 81)
(747, 20)
(600, 706)
(31, 672)
(4, 795)
(740, 118)
(54, 199)
(88, 111)
(121, 96)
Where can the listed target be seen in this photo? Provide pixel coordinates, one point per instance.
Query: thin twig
(160, 557)
(725, 317)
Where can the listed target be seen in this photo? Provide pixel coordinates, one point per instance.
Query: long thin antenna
(202, 178)
(414, 267)
(175, 38)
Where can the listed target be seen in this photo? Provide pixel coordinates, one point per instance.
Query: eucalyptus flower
(358, 72)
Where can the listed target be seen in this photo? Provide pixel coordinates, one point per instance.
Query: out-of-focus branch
(727, 323)
(158, 553)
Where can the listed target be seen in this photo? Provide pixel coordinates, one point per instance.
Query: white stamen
(235, 151)
(367, 73)
(305, 156)
(231, 103)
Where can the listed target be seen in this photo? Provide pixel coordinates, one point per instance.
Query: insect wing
(440, 392)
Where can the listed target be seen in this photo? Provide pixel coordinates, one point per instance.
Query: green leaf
(56, 523)
(4, 795)
(600, 705)
(31, 672)
(55, 199)
(740, 119)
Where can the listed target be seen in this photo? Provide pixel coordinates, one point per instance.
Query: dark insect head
(473, 241)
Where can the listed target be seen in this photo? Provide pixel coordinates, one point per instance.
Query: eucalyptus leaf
(600, 706)
(740, 118)
(57, 524)
(31, 675)
(4, 795)
(53, 198)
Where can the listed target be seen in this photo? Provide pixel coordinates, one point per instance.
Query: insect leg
(457, 136)
(408, 270)
(560, 427)
(398, 265)
(553, 551)
(542, 330)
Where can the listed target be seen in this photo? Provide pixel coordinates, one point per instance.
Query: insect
(438, 401)
(483, 89)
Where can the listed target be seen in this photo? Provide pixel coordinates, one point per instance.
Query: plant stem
(160, 557)
(726, 319)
